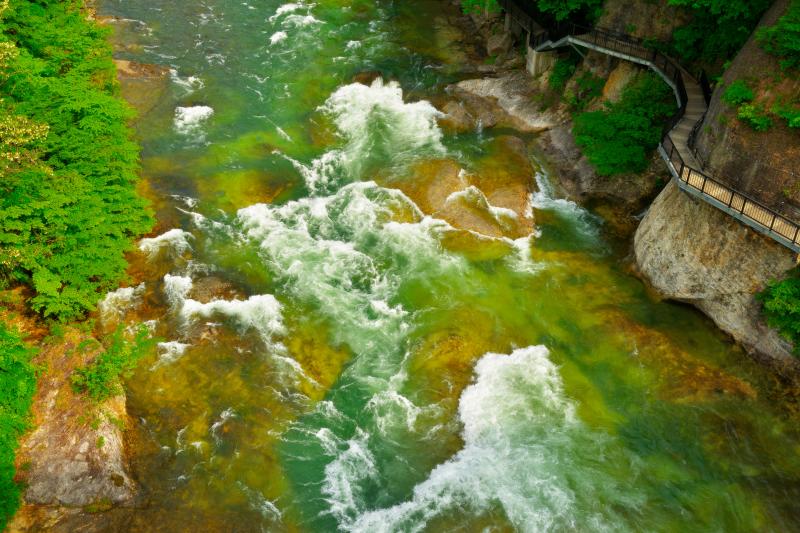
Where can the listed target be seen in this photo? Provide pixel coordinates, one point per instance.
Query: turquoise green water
(335, 359)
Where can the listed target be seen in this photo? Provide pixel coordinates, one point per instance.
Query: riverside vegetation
(68, 206)
(336, 355)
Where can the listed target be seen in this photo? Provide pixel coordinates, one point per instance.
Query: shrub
(477, 6)
(781, 307)
(754, 116)
(790, 114)
(68, 206)
(100, 379)
(562, 72)
(738, 93)
(783, 39)
(717, 29)
(566, 9)
(17, 386)
(618, 139)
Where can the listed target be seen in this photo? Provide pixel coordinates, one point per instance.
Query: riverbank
(344, 307)
(69, 213)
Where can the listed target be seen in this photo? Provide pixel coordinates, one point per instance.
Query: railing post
(796, 230)
(703, 187)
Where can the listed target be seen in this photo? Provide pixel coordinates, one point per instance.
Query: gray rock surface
(510, 99)
(695, 253)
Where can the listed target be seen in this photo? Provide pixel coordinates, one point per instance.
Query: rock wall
(695, 253)
(692, 252)
(765, 165)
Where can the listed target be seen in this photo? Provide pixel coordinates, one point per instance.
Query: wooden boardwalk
(678, 139)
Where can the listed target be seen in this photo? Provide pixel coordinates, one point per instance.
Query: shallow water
(331, 360)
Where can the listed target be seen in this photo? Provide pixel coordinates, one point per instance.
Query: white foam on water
(285, 8)
(260, 503)
(346, 474)
(300, 20)
(175, 240)
(475, 197)
(189, 121)
(277, 37)
(261, 313)
(189, 84)
(169, 352)
(372, 120)
(544, 199)
(116, 303)
(525, 453)
(176, 289)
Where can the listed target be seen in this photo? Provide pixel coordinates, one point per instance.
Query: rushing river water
(330, 360)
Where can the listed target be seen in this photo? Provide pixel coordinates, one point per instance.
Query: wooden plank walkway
(676, 144)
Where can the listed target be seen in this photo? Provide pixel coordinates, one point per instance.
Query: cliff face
(692, 252)
(695, 253)
(650, 20)
(764, 165)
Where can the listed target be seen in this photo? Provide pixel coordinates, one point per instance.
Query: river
(333, 360)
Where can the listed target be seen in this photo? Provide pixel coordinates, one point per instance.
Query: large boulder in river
(511, 98)
(492, 200)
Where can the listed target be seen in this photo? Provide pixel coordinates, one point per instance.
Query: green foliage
(478, 6)
(718, 28)
(100, 379)
(68, 206)
(618, 139)
(17, 386)
(789, 113)
(566, 9)
(783, 39)
(738, 93)
(781, 307)
(587, 88)
(562, 72)
(754, 116)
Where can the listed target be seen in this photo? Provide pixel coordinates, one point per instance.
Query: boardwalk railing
(689, 179)
(739, 205)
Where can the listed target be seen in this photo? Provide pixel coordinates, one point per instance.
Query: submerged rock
(142, 85)
(492, 201)
(682, 377)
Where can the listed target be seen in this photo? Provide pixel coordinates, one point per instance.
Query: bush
(781, 307)
(565, 9)
(717, 29)
(562, 72)
(100, 379)
(754, 116)
(618, 139)
(738, 93)
(17, 386)
(477, 6)
(68, 206)
(783, 39)
(790, 114)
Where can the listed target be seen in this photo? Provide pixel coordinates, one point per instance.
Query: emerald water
(335, 359)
